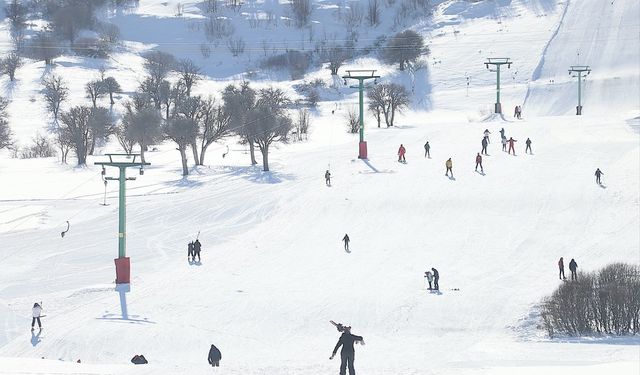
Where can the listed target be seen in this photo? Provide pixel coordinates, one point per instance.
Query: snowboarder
(486, 135)
(346, 240)
(573, 267)
(528, 143)
(484, 146)
(347, 353)
(479, 163)
(449, 165)
(561, 267)
(502, 133)
(511, 141)
(214, 356)
(504, 144)
(429, 276)
(327, 178)
(436, 278)
(598, 174)
(427, 148)
(36, 314)
(401, 152)
(190, 251)
(196, 250)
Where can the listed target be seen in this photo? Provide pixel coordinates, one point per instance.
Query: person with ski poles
(486, 135)
(449, 165)
(401, 152)
(427, 149)
(511, 148)
(327, 178)
(528, 143)
(429, 276)
(561, 269)
(484, 146)
(436, 278)
(347, 353)
(36, 313)
(598, 174)
(196, 250)
(346, 241)
(479, 163)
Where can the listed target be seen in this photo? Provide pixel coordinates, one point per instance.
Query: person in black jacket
(346, 241)
(214, 356)
(348, 352)
(196, 250)
(573, 267)
(436, 278)
(190, 251)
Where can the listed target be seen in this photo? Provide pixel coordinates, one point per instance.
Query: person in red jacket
(401, 152)
(511, 141)
(561, 268)
(479, 163)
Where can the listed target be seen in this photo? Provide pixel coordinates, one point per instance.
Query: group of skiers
(573, 267)
(433, 276)
(517, 112)
(193, 249)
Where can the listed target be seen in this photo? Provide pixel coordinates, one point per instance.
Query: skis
(338, 326)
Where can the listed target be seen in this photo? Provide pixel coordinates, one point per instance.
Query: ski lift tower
(498, 62)
(122, 161)
(579, 69)
(361, 76)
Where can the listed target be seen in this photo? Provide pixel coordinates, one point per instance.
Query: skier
(449, 165)
(528, 143)
(486, 135)
(436, 278)
(573, 266)
(502, 133)
(346, 240)
(484, 146)
(519, 112)
(327, 178)
(401, 152)
(479, 163)
(511, 141)
(214, 356)
(347, 353)
(598, 174)
(561, 267)
(504, 144)
(190, 251)
(36, 313)
(196, 250)
(429, 276)
(427, 148)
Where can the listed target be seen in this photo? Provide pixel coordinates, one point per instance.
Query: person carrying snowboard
(449, 165)
(196, 250)
(484, 146)
(327, 178)
(429, 276)
(561, 268)
(190, 251)
(427, 149)
(486, 135)
(598, 174)
(436, 278)
(511, 148)
(346, 240)
(347, 353)
(504, 144)
(36, 312)
(573, 267)
(214, 356)
(479, 163)
(528, 143)
(401, 152)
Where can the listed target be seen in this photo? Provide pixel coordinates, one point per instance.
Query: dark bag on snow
(139, 360)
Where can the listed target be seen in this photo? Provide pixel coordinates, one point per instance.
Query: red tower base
(123, 270)
(363, 151)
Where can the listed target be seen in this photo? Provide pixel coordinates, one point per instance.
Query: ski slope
(274, 270)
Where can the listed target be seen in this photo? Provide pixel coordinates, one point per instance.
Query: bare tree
(189, 73)
(353, 18)
(40, 147)
(268, 126)
(158, 64)
(404, 48)
(69, 19)
(236, 46)
(111, 86)
(109, 32)
(238, 101)
(94, 89)
(301, 10)
(101, 127)
(375, 107)
(140, 127)
(373, 12)
(390, 98)
(44, 47)
(5, 133)
(75, 128)
(55, 92)
(336, 56)
(303, 123)
(213, 123)
(353, 121)
(17, 13)
(10, 64)
(182, 131)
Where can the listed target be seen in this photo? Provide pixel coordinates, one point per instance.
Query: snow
(273, 269)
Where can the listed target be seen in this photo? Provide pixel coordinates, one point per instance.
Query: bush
(40, 147)
(603, 302)
(295, 61)
(91, 47)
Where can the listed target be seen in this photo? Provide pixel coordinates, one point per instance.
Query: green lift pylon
(122, 162)
(361, 76)
(579, 69)
(498, 62)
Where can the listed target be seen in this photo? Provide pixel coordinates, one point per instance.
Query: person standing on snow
(598, 174)
(429, 276)
(196, 250)
(479, 163)
(449, 165)
(190, 251)
(346, 241)
(401, 152)
(327, 178)
(427, 149)
(528, 143)
(214, 356)
(484, 146)
(504, 144)
(511, 148)
(436, 278)
(502, 133)
(486, 135)
(561, 268)
(573, 267)
(36, 312)
(347, 353)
